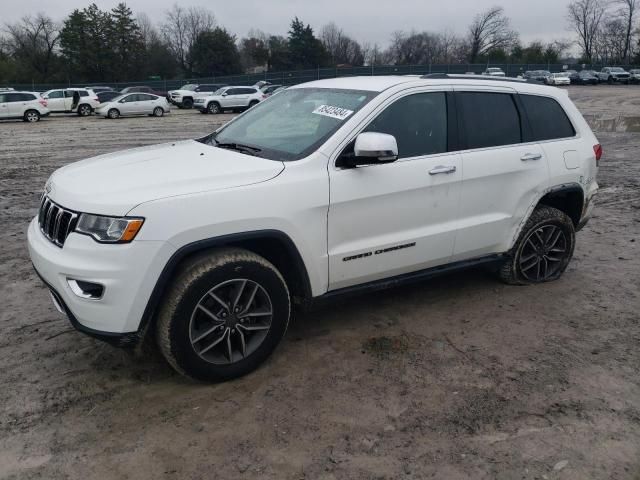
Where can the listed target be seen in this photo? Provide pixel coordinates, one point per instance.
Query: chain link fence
(294, 77)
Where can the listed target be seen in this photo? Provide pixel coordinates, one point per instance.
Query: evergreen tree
(126, 43)
(305, 50)
(215, 53)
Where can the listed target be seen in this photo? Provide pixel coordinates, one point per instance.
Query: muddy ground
(460, 377)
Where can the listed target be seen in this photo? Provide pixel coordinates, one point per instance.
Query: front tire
(543, 250)
(187, 103)
(113, 113)
(213, 108)
(224, 315)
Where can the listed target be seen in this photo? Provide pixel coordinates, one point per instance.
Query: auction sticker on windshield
(333, 112)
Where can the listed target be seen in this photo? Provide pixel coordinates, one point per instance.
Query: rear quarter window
(547, 118)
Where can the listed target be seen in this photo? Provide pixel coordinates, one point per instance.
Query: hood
(114, 183)
(182, 92)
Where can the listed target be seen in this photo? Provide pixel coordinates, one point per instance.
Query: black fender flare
(179, 255)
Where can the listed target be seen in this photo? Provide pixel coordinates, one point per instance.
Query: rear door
(146, 103)
(503, 171)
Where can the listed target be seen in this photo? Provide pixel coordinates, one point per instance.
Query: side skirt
(407, 278)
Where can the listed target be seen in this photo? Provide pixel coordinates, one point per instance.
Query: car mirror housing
(376, 147)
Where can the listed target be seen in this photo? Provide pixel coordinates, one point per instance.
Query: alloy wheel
(230, 321)
(32, 117)
(543, 253)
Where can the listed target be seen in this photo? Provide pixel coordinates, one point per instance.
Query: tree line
(606, 30)
(94, 45)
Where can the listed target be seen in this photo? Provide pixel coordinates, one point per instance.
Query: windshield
(292, 124)
(617, 69)
(189, 86)
(115, 99)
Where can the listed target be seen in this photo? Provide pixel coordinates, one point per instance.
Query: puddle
(620, 123)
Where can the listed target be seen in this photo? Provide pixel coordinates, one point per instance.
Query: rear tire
(84, 110)
(158, 112)
(223, 316)
(253, 103)
(113, 113)
(31, 116)
(543, 250)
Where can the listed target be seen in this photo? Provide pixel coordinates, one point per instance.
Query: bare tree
(341, 48)
(181, 29)
(585, 18)
(627, 14)
(34, 40)
(490, 30)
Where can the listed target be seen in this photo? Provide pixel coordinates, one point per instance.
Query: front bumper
(128, 273)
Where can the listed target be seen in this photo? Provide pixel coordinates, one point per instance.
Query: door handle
(442, 169)
(531, 156)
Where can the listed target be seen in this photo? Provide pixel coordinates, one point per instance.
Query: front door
(395, 218)
(56, 101)
(4, 105)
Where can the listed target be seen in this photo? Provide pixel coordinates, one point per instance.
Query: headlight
(109, 229)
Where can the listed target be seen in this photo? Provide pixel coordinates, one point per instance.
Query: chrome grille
(56, 223)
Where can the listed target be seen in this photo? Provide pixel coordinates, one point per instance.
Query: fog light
(83, 289)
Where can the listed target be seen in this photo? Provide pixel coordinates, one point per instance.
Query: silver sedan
(134, 104)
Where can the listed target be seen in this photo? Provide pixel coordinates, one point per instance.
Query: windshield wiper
(237, 146)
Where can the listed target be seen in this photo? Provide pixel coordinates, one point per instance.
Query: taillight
(43, 102)
(264, 96)
(597, 149)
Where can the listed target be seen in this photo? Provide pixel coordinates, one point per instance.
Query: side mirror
(225, 94)
(121, 101)
(374, 147)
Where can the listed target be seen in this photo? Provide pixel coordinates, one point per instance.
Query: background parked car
(229, 98)
(107, 96)
(634, 75)
(26, 105)
(6, 89)
(494, 72)
(183, 97)
(100, 89)
(143, 89)
(537, 75)
(558, 79)
(269, 90)
(614, 75)
(135, 104)
(585, 77)
(68, 100)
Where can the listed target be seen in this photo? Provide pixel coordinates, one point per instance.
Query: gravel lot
(459, 377)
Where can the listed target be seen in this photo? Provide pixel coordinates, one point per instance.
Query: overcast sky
(365, 20)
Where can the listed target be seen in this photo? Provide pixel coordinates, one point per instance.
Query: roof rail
(442, 76)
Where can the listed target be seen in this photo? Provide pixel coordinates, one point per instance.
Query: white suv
(229, 98)
(82, 101)
(26, 105)
(183, 97)
(327, 188)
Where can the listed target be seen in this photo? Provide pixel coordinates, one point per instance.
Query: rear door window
(547, 118)
(490, 119)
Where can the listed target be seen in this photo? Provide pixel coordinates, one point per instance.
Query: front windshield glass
(292, 124)
(116, 99)
(617, 69)
(189, 86)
